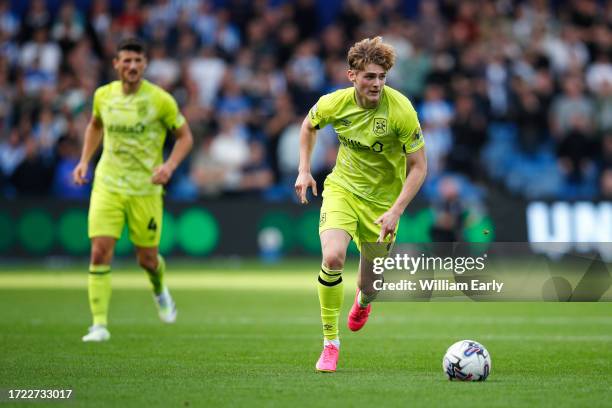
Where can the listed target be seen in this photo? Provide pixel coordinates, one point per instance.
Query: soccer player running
(380, 167)
(132, 115)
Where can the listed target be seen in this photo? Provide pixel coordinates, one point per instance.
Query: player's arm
(416, 170)
(308, 137)
(182, 146)
(93, 136)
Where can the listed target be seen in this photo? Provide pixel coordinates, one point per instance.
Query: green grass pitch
(249, 335)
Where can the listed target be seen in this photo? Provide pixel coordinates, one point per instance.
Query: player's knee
(334, 260)
(148, 261)
(100, 255)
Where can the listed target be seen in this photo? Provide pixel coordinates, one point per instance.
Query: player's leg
(99, 287)
(154, 264)
(105, 222)
(334, 243)
(144, 214)
(366, 278)
(360, 311)
(366, 240)
(337, 225)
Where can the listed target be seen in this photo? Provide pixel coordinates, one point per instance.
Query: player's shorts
(109, 211)
(344, 210)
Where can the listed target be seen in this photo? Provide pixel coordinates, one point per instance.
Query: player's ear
(352, 76)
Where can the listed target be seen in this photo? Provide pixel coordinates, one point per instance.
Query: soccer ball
(467, 360)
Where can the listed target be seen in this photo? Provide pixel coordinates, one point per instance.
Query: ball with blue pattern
(467, 360)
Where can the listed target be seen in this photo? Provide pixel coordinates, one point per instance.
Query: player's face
(130, 65)
(368, 84)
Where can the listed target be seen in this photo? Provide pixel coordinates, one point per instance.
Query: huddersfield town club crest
(380, 126)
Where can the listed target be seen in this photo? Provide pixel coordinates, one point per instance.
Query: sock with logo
(99, 291)
(331, 295)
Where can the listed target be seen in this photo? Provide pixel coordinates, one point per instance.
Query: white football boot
(97, 333)
(165, 306)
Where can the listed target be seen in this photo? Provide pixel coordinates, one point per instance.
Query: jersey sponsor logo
(137, 128)
(380, 126)
(377, 147)
(354, 144)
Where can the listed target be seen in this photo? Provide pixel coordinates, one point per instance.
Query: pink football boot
(328, 360)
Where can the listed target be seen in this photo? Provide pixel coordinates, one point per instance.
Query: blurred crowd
(516, 95)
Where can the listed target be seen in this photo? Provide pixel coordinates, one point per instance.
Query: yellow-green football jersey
(135, 128)
(371, 161)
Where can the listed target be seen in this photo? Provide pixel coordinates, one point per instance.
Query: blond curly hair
(371, 51)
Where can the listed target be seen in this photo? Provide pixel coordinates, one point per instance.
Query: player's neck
(130, 88)
(362, 102)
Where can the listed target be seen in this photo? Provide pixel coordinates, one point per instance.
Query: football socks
(99, 285)
(157, 278)
(365, 300)
(331, 295)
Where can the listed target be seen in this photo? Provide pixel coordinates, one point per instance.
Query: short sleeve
(95, 110)
(171, 117)
(408, 128)
(319, 113)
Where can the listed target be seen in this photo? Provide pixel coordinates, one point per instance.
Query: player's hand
(305, 180)
(79, 174)
(162, 174)
(388, 222)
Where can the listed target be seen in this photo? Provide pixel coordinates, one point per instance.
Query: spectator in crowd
(37, 17)
(469, 129)
(436, 114)
(12, 154)
(449, 212)
(68, 28)
(41, 53)
(32, 176)
(68, 155)
(162, 69)
(9, 23)
(572, 116)
(530, 115)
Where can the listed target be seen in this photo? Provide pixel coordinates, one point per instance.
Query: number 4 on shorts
(152, 225)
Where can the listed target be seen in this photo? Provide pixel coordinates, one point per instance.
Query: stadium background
(515, 100)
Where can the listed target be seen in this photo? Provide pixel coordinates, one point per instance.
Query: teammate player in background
(132, 115)
(380, 167)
